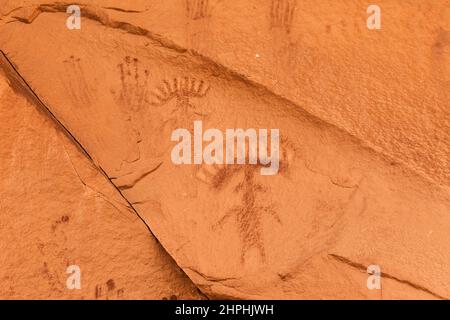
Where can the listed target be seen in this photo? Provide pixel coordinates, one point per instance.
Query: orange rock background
(364, 121)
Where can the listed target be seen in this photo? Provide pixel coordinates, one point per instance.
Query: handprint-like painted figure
(78, 87)
(133, 93)
(173, 108)
(282, 14)
(182, 90)
(197, 9)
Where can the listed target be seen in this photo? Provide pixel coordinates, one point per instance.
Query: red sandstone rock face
(363, 178)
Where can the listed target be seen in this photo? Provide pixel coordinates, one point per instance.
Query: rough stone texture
(365, 139)
(58, 210)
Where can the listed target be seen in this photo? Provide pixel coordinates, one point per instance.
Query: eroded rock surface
(350, 192)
